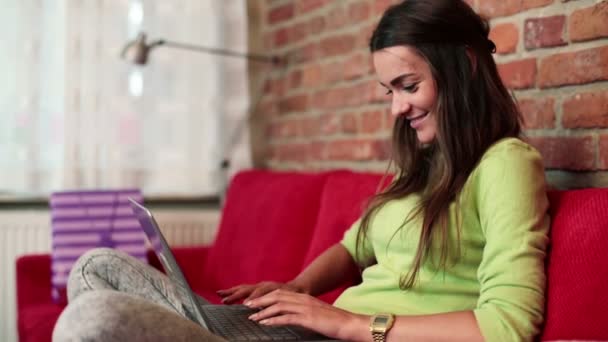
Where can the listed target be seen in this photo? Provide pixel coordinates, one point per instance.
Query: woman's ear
(472, 59)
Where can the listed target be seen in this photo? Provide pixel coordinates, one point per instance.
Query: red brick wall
(326, 110)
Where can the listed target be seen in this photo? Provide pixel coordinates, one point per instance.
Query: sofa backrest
(266, 226)
(343, 200)
(577, 266)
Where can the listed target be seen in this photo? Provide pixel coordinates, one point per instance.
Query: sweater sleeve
(512, 207)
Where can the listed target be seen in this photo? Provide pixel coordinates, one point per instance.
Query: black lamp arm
(216, 51)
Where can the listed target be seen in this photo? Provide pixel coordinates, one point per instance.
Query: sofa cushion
(36, 323)
(265, 229)
(344, 198)
(577, 266)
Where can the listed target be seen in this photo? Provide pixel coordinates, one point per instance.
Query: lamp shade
(136, 51)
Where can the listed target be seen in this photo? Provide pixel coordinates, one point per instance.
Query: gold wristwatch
(380, 325)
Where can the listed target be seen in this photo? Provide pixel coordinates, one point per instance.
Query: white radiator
(28, 231)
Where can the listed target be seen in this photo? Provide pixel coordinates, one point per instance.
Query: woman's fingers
(306, 312)
(282, 295)
(278, 309)
(260, 291)
(229, 291)
(238, 294)
(252, 292)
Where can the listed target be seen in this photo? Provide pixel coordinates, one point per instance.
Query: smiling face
(408, 80)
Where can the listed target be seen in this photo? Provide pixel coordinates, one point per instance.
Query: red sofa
(276, 223)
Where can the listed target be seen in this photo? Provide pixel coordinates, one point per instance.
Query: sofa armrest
(190, 260)
(33, 275)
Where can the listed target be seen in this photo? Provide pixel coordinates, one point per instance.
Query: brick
(305, 53)
(544, 32)
(365, 35)
(298, 32)
(330, 124)
(267, 108)
(269, 40)
(498, 8)
(295, 78)
(381, 5)
(578, 67)
(383, 149)
(312, 76)
(349, 123)
(389, 120)
(298, 152)
(589, 23)
(284, 129)
(337, 17)
(305, 6)
(309, 127)
(275, 86)
(359, 11)
(281, 37)
(316, 25)
(338, 45)
(586, 110)
(336, 98)
(506, 37)
(317, 150)
(356, 66)
(519, 74)
(333, 72)
(355, 149)
(603, 149)
(294, 103)
(371, 122)
(320, 99)
(281, 13)
(501, 8)
(528, 4)
(343, 96)
(538, 113)
(571, 153)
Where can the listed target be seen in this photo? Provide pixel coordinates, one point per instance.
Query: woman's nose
(399, 106)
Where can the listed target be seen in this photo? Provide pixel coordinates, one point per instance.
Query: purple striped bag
(82, 220)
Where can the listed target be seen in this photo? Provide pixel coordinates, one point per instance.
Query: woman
(454, 248)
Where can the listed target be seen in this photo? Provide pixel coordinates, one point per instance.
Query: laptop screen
(163, 252)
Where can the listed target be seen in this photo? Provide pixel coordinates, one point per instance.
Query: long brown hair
(473, 111)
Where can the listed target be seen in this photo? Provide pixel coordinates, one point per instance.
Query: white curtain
(74, 115)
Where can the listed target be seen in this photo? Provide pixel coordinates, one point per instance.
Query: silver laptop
(229, 321)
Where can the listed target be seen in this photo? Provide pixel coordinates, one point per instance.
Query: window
(75, 116)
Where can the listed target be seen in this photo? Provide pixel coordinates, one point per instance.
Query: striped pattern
(82, 220)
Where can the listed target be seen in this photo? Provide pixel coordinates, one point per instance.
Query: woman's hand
(282, 307)
(249, 292)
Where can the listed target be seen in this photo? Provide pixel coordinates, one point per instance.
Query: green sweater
(499, 273)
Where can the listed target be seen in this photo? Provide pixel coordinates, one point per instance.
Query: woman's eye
(411, 88)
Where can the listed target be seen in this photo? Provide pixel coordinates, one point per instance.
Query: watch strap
(379, 336)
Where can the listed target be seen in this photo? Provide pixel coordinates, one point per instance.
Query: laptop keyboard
(232, 322)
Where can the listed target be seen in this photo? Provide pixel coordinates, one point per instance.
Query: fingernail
(254, 316)
(264, 321)
(247, 303)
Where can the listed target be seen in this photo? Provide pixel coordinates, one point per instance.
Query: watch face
(381, 320)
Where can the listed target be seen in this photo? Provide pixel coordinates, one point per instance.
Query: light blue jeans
(115, 297)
